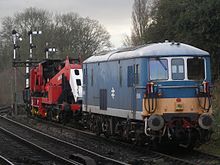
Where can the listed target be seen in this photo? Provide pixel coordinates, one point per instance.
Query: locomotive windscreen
(158, 69)
(196, 69)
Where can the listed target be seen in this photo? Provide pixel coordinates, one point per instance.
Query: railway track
(59, 149)
(4, 109)
(205, 158)
(5, 161)
(197, 157)
(15, 150)
(140, 154)
(182, 156)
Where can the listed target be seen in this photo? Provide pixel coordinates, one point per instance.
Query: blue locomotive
(156, 93)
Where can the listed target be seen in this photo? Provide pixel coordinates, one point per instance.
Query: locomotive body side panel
(123, 84)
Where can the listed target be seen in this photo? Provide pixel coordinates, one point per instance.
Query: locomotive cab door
(133, 80)
(130, 78)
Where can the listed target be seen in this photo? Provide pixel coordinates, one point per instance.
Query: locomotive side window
(130, 76)
(120, 76)
(78, 82)
(84, 76)
(158, 69)
(136, 74)
(76, 72)
(92, 77)
(196, 69)
(177, 66)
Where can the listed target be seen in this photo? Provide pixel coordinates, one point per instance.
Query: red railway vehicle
(55, 90)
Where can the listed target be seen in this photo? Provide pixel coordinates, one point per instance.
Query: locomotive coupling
(205, 121)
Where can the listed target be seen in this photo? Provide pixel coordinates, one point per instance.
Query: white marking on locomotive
(138, 96)
(113, 93)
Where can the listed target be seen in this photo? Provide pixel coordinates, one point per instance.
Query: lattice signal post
(30, 62)
(18, 63)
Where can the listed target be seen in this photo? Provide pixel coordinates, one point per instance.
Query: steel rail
(66, 161)
(143, 150)
(5, 161)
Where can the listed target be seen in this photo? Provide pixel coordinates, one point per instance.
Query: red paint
(49, 90)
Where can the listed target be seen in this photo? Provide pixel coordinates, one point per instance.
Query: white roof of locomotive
(151, 50)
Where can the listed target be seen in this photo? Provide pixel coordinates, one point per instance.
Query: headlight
(205, 121)
(156, 122)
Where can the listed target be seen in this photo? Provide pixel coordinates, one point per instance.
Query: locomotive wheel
(98, 127)
(28, 110)
(118, 130)
(62, 117)
(29, 113)
(86, 121)
(49, 115)
(126, 133)
(92, 123)
(106, 127)
(140, 139)
(154, 143)
(191, 146)
(192, 139)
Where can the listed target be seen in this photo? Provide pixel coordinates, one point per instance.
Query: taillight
(150, 87)
(205, 87)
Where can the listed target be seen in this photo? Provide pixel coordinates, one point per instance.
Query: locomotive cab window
(196, 69)
(177, 67)
(158, 69)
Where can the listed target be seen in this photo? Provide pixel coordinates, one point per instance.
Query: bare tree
(32, 18)
(127, 42)
(7, 26)
(70, 33)
(140, 20)
(80, 35)
(1, 47)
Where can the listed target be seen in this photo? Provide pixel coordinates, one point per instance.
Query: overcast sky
(114, 15)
